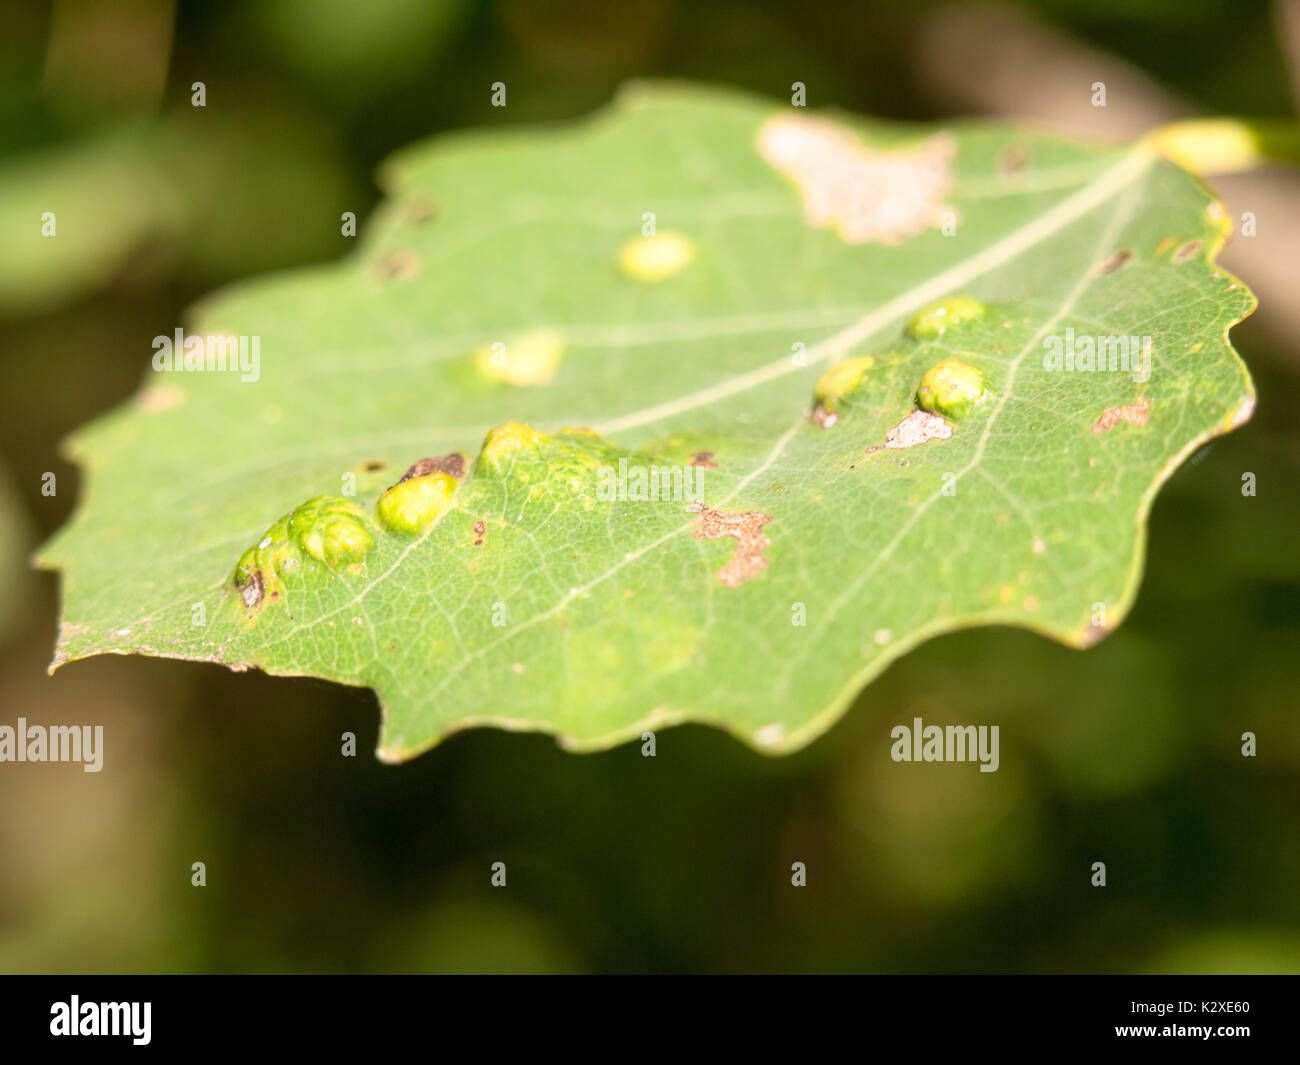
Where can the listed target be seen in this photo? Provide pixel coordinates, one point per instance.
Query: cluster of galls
(951, 388)
(332, 534)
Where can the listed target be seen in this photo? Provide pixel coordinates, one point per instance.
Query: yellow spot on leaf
(1207, 146)
(529, 359)
(655, 258)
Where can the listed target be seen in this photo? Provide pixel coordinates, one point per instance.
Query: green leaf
(497, 586)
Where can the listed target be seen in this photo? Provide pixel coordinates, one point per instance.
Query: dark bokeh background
(1127, 754)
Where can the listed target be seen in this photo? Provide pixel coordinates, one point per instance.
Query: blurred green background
(1127, 754)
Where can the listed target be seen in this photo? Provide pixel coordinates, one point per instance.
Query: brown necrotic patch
(746, 527)
(703, 460)
(453, 465)
(916, 428)
(254, 591)
(480, 531)
(1187, 251)
(868, 194)
(1120, 258)
(1134, 414)
(823, 418)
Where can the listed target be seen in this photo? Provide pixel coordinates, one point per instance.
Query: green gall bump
(328, 529)
(503, 443)
(950, 388)
(245, 567)
(934, 320)
(841, 380)
(411, 506)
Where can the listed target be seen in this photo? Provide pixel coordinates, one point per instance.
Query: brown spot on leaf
(1135, 414)
(374, 465)
(1187, 251)
(746, 527)
(1013, 160)
(823, 418)
(704, 460)
(1091, 635)
(453, 464)
(916, 428)
(1120, 258)
(868, 194)
(480, 531)
(400, 266)
(1242, 414)
(254, 591)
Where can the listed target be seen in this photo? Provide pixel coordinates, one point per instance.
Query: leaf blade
(616, 621)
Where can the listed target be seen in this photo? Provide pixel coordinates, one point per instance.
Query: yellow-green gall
(841, 380)
(328, 529)
(506, 441)
(412, 505)
(936, 319)
(655, 258)
(951, 388)
(331, 530)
